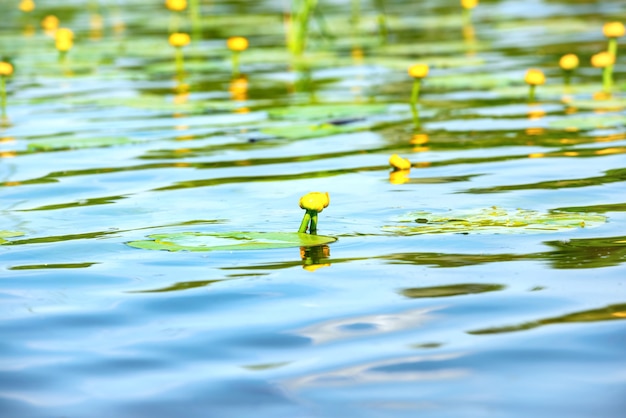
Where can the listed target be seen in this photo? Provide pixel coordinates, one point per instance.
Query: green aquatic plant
(64, 41)
(178, 40)
(612, 30)
(6, 70)
(298, 25)
(313, 203)
(236, 44)
(418, 72)
(534, 78)
(605, 60)
(568, 63)
(468, 6)
(493, 220)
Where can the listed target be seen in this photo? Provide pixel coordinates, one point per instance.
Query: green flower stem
(607, 78)
(531, 93)
(3, 96)
(607, 72)
(301, 11)
(179, 61)
(235, 59)
(467, 17)
(62, 56)
(567, 77)
(313, 227)
(356, 11)
(194, 14)
(415, 93)
(305, 222)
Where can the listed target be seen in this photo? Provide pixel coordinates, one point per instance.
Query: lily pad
(608, 104)
(76, 143)
(328, 111)
(9, 234)
(589, 122)
(229, 241)
(493, 220)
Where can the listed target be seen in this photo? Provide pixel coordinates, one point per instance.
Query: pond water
(424, 305)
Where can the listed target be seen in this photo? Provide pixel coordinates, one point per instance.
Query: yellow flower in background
(399, 163)
(418, 70)
(50, 23)
(602, 59)
(64, 39)
(315, 201)
(27, 6)
(176, 5)
(534, 77)
(6, 69)
(179, 39)
(613, 29)
(399, 176)
(569, 62)
(469, 4)
(237, 43)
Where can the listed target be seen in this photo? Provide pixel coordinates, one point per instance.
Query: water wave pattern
(116, 144)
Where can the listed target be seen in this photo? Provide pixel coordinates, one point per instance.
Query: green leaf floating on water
(76, 143)
(493, 220)
(9, 234)
(329, 111)
(589, 122)
(609, 104)
(229, 241)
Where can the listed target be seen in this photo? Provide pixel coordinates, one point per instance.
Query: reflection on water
(354, 327)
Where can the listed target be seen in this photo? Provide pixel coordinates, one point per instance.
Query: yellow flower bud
(6, 69)
(27, 6)
(613, 29)
(50, 23)
(176, 5)
(535, 77)
(237, 43)
(469, 4)
(569, 62)
(418, 70)
(179, 39)
(316, 201)
(64, 39)
(602, 59)
(399, 163)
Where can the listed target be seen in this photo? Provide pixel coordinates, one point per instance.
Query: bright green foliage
(493, 220)
(229, 241)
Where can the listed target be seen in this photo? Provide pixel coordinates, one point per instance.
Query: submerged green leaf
(76, 143)
(229, 241)
(493, 220)
(329, 111)
(589, 122)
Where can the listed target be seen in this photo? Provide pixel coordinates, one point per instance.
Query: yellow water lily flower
(569, 61)
(6, 69)
(535, 77)
(614, 29)
(315, 201)
(418, 70)
(176, 5)
(602, 59)
(399, 163)
(237, 43)
(64, 39)
(50, 23)
(179, 39)
(27, 6)
(469, 4)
